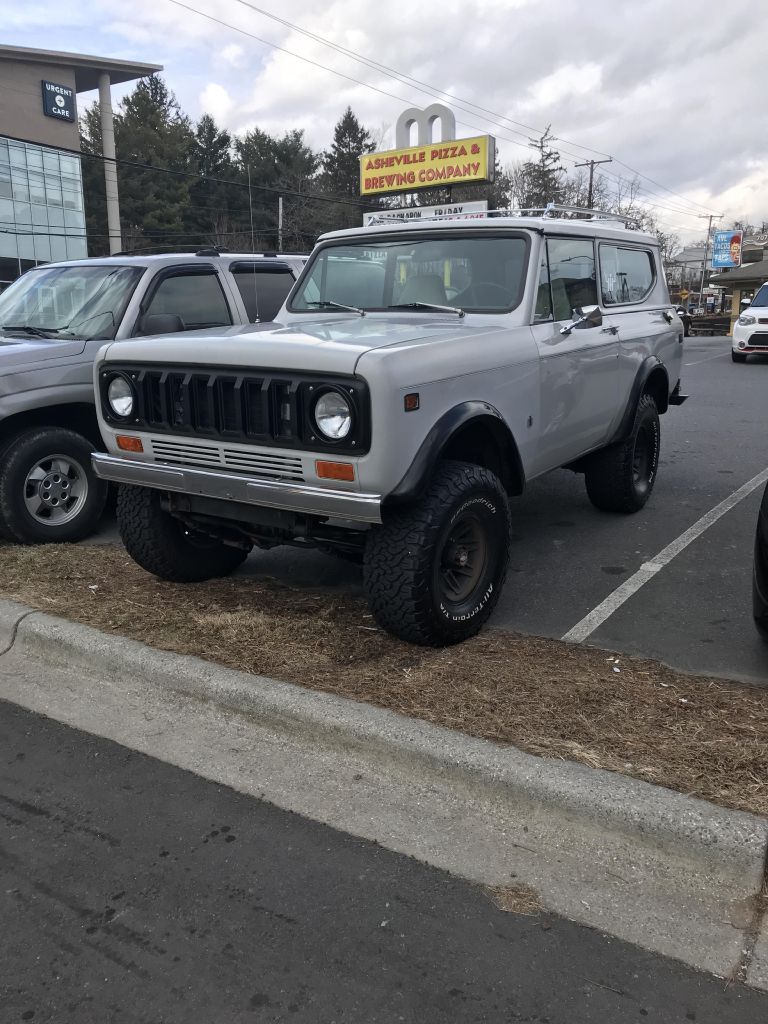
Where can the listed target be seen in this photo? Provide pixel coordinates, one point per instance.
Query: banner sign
(58, 101)
(726, 249)
(459, 162)
(448, 211)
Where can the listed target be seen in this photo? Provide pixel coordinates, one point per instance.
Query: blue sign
(726, 250)
(59, 101)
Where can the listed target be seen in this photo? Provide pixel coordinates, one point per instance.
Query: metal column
(110, 167)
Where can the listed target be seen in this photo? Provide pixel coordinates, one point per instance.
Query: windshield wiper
(428, 305)
(37, 332)
(327, 304)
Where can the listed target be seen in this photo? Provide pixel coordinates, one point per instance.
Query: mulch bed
(698, 735)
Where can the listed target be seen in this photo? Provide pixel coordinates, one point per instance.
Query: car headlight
(120, 397)
(333, 415)
(745, 320)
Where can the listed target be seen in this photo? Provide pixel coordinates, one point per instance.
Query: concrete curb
(731, 845)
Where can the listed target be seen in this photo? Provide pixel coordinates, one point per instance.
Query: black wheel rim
(463, 558)
(642, 458)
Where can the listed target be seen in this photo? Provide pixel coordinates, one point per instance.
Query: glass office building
(41, 207)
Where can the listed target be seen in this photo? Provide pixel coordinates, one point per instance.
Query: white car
(750, 332)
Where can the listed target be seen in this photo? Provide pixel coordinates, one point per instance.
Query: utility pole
(591, 164)
(250, 207)
(279, 223)
(709, 218)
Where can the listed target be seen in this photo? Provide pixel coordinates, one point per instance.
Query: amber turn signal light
(335, 470)
(129, 444)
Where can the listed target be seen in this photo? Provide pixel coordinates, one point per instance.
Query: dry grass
(693, 734)
(516, 899)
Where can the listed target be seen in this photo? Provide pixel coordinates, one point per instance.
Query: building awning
(750, 274)
(87, 69)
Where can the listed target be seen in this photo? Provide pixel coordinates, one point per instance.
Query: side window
(543, 309)
(626, 275)
(197, 298)
(263, 292)
(572, 274)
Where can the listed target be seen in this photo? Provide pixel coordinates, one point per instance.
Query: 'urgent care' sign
(458, 162)
(58, 101)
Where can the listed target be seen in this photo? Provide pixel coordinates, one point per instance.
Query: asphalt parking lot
(568, 558)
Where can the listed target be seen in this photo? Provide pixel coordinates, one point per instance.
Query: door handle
(609, 330)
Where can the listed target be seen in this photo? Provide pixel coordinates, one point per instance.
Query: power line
(405, 79)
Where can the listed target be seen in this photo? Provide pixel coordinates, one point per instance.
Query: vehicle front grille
(265, 408)
(759, 340)
(213, 456)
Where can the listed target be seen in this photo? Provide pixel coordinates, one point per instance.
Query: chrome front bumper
(283, 494)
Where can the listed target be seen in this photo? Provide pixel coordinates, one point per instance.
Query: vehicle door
(579, 363)
(262, 286)
(636, 303)
(184, 297)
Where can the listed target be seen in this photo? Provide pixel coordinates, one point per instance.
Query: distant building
(41, 188)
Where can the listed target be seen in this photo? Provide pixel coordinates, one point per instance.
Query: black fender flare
(416, 479)
(651, 365)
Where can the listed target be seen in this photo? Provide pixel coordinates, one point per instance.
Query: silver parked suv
(424, 373)
(53, 321)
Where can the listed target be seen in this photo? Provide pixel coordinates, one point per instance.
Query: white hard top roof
(598, 227)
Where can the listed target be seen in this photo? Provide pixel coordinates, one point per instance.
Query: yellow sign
(458, 162)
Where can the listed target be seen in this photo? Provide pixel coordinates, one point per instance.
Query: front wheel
(164, 546)
(49, 492)
(738, 357)
(620, 478)
(434, 571)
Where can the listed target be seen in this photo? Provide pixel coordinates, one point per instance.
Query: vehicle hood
(18, 353)
(323, 346)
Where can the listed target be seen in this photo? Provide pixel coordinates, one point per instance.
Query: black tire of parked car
(163, 545)
(738, 357)
(620, 478)
(49, 492)
(434, 570)
(760, 570)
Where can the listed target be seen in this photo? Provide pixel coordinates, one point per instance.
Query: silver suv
(424, 374)
(53, 321)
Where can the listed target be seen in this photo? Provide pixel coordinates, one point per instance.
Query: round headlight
(120, 397)
(333, 415)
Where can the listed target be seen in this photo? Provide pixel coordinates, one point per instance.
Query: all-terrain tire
(413, 559)
(33, 509)
(620, 478)
(738, 357)
(162, 544)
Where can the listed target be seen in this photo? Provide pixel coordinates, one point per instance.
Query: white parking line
(696, 362)
(648, 570)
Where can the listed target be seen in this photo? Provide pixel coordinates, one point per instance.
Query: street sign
(58, 101)
(474, 209)
(726, 249)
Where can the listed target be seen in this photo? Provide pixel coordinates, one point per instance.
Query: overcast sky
(676, 92)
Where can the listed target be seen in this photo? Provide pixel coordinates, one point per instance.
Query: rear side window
(196, 298)
(626, 275)
(263, 291)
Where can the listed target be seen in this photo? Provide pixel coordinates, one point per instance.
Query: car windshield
(474, 274)
(81, 301)
(761, 299)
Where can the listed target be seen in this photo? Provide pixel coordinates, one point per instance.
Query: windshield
(761, 299)
(87, 302)
(483, 274)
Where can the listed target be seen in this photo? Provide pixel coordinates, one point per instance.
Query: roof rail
(549, 210)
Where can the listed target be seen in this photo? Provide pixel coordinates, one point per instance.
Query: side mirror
(582, 318)
(161, 323)
(745, 302)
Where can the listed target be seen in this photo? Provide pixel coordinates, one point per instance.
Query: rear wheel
(620, 478)
(433, 571)
(164, 546)
(738, 357)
